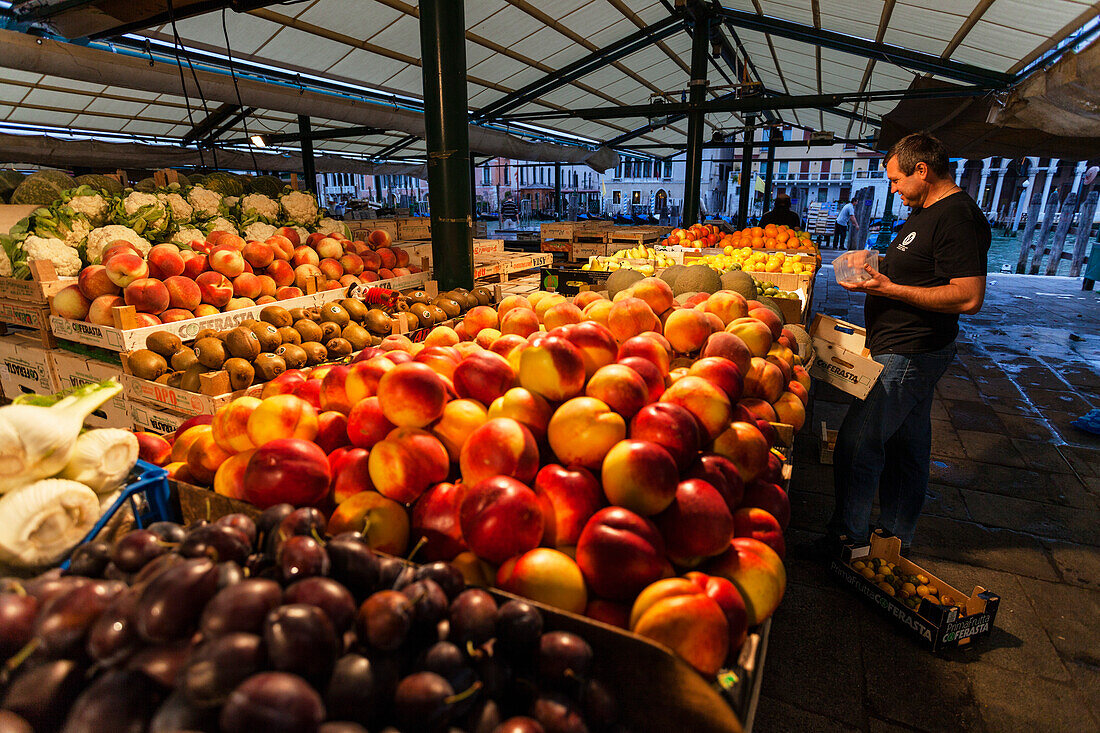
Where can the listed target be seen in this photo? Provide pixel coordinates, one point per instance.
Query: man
(509, 212)
(782, 214)
(933, 271)
(845, 219)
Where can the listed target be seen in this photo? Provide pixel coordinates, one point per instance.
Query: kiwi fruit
(206, 333)
(356, 309)
(249, 322)
(438, 314)
(277, 316)
(423, 313)
(338, 348)
(289, 335)
(241, 373)
(190, 380)
(163, 343)
(174, 379)
(464, 298)
(356, 335)
(297, 314)
(184, 358)
(308, 330)
(484, 295)
(403, 305)
(418, 296)
(146, 364)
(329, 330)
(448, 306)
(335, 313)
(242, 342)
(163, 378)
(210, 353)
(411, 319)
(268, 366)
(268, 336)
(377, 322)
(315, 352)
(293, 355)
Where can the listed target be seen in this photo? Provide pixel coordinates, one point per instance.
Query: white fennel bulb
(41, 521)
(37, 442)
(102, 458)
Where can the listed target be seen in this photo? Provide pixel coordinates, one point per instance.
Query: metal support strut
(746, 173)
(700, 47)
(309, 172)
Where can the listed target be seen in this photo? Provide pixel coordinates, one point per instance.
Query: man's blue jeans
(885, 443)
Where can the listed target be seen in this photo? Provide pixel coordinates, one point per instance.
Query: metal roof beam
(398, 146)
(226, 127)
(215, 118)
(293, 137)
(903, 57)
(582, 67)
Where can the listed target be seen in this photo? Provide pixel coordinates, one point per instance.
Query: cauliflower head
(144, 213)
(178, 206)
(258, 231)
(300, 207)
(95, 207)
(205, 204)
(185, 236)
(303, 234)
(5, 264)
(258, 207)
(101, 237)
(65, 259)
(328, 226)
(220, 224)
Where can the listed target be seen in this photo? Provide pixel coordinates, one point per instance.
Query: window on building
(507, 176)
(668, 169)
(616, 197)
(847, 168)
(647, 169)
(485, 176)
(636, 197)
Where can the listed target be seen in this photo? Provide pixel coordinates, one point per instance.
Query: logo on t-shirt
(904, 244)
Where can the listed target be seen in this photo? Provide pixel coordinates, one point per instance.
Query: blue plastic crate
(149, 498)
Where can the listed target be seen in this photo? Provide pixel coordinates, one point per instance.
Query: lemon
(908, 588)
(867, 573)
(886, 588)
(858, 565)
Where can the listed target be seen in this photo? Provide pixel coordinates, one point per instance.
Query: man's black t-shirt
(779, 217)
(949, 239)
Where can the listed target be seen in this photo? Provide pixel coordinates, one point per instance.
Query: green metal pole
(770, 166)
(557, 191)
(746, 174)
(309, 171)
(700, 46)
(443, 48)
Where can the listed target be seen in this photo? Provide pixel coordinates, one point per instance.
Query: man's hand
(879, 284)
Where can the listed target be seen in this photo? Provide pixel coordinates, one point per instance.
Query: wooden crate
(508, 265)
(631, 237)
(414, 227)
(35, 316)
(44, 283)
(363, 230)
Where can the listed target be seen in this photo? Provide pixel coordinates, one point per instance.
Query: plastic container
(848, 267)
(150, 501)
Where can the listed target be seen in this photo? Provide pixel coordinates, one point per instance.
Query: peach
(782, 353)
(186, 438)
(229, 478)
(789, 409)
(640, 476)
(508, 302)
(460, 418)
(225, 239)
(705, 401)
(620, 387)
(620, 553)
(203, 459)
(595, 343)
(308, 278)
(670, 426)
(785, 370)
(93, 281)
(545, 576)
(630, 317)
(166, 260)
(505, 343)
(656, 293)
(758, 408)
(486, 337)
(745, 446)
(715, 322)
(406, 463)
(649, 373)
(71, 303)
(800, 392)
(350, 473)
(258, 254)
(442, 336)
(281, 272)
(227, 260)
(443, 360)
(147, 295)
(125, 267)
(729, 346)
(412, 395)
(562, 314)
(526, 407)
(687, 330)
(476, 572)
(235, 304)
(598, 311)
(214, 288)
(267, 286)
(480, 317)
(756, 571)
(367, 425)
(764, 380)
(389, 259)
(545, 304)
(247, 285)
(435, 522)
(722, 373)
(534, 298)
(205, 309)
(800, 375)
(352, 263)
(552, 368)
(462, 332)
(230, 425)
(499, 447)
(145, 320)
(183, 292)
(382, 522)
(520, 321)
(371, 263)
(583, 430)
(379, 238)
(697, 524)
(332, 431)
(568, 497)
(483, 376)
(331, 268)
(397, 342)
(153, 448)
(755, 334)
(768, 317)
(760, 525)
(282, 416)
(677, 613)
(727, 305)
(288, 293)
(304, 255)
(647, 348)
(194, 265)
(334, 395)
(362, 380)
(585, 297)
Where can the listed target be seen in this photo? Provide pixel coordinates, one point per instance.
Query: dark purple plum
(272, 702)
(219, 665)
(328, 595)
(300, 639)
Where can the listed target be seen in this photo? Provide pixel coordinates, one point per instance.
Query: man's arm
(961, 295)
(852, 222)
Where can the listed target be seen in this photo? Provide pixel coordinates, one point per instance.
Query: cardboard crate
(488, 246)
(581, 251)
(73, 370)
(632, 237)
(550, 246)
(29, 315)
(43, 284)
(418, 251)
(146, 417)
(215, 393)
(841, 357)
(364, 229)
(572, 280)
(414, 227)
(25, 366)
(967, 620)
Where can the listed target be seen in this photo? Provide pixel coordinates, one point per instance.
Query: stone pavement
(1014, 506)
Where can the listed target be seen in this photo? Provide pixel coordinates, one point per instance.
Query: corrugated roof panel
(921, 30)
(97, 122)
(648, 12)
(246, 32)
(476, 53)
(5, 110)
(507, 26)
(73, 84)
(31, 116)
(612, 33)
(603, 76)
(402, 35)
(983, 58)
(1055, 15)
(789, 10)
(64, 100)
(369, 67)
(23, 76)
(591, 18)
(643, 59)
(348, 18)
(410, 80)
(115, 106)
(13, 93)
(837, 15)
(565, 96)
(996, 46)
(523, 76)
(845, 62)
(141, 127)
(542, 44)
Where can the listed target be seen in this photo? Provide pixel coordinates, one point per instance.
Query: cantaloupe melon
(621, 280)
(697, 279)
